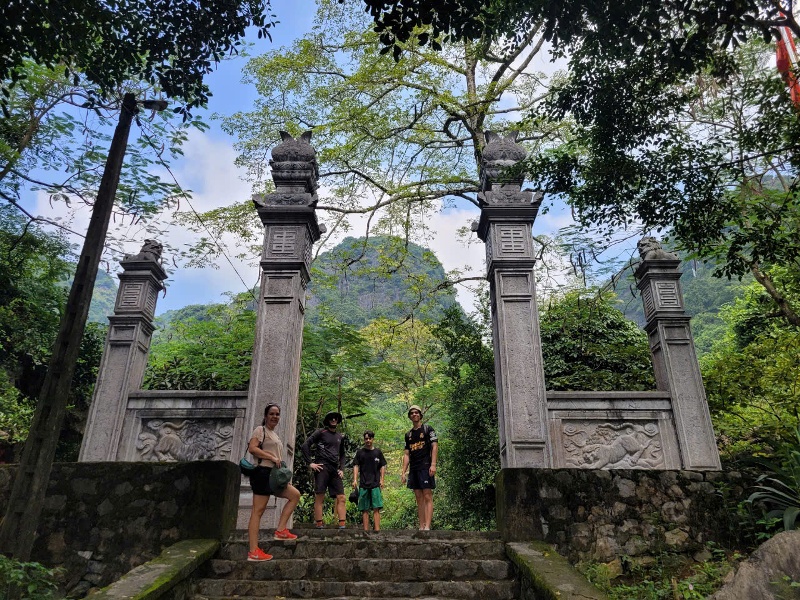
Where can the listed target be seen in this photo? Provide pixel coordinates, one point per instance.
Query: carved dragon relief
(187, 440)
(604, 445)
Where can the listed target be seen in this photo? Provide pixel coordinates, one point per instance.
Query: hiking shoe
(284, 534)
(258, 556)
(319, 526)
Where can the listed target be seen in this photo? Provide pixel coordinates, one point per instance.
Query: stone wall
(602, 515)
(102, 519)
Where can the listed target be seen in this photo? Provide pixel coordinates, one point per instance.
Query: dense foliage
(588, 344)
(752, 373)
(470, 451)
(34, 266)
(171, 44)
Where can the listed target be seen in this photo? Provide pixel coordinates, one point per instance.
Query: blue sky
(208, 169)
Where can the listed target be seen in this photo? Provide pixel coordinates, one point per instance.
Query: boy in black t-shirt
(369, 469)
(419, 460)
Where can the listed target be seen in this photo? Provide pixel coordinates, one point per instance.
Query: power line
(186, 196)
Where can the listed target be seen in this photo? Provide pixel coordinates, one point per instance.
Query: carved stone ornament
(180, 441)
(506, 197)
(151, 250)
(294, 150)
(604, 445)
(500, 153)
(294, 166)
(650, 249)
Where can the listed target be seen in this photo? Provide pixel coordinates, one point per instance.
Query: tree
(588, 344)
(752, 372)
(166, 43)
(470, 453)
(670, 129)
(396, 140)
(158, 42)
(33, 269)
(211, 350)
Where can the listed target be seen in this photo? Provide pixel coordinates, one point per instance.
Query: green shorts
(370, 499)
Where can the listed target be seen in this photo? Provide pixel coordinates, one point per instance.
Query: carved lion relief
(190, 439)
(604, 445)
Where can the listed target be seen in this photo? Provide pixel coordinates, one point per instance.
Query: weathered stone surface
(156, 578)
(106, 532)
(546, 574)
(768, 573)
(603, 515)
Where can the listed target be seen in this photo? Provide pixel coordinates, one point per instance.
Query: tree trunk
(18, 530)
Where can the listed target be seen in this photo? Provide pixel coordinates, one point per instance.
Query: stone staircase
(350, 564)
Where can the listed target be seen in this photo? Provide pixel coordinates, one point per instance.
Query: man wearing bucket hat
(419, 461)
(328, 466)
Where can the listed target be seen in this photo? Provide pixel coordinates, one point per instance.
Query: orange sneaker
(258, 556)
(284, 534)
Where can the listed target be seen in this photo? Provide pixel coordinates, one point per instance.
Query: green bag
(280, 477)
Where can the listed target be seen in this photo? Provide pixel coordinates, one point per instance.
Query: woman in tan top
(267, 450)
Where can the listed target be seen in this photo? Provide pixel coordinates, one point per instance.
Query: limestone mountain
(363, 279)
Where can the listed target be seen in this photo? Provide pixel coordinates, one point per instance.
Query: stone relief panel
(184, 440)
(604, 445)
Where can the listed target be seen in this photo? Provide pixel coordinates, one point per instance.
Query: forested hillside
(361, 280)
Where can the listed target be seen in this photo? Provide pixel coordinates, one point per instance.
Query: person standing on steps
(328, 466)
(267, 450)
(419, 461)
(369, 468)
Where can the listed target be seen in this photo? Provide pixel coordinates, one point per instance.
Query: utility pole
(18, 528)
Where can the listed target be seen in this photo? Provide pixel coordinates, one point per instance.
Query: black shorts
(328, 480)
(259, 481)
(421, 479)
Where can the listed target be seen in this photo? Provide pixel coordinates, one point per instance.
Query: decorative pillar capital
(140, 281)
(658, 278)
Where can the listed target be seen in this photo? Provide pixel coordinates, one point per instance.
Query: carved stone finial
(151, 250)
(650, 249)
(291, 149)
(294, 171)
(499, 154)
(502, 150)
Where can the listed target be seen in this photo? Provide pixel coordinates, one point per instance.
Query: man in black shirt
(328, 466)
(369, 468)
(419, 460)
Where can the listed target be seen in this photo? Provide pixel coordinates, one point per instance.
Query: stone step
(307, 531)
(303, 588)
(372, 547)
(200, 597)
(360, 569)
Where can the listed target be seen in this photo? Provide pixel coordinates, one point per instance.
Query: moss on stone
(547, 575)
(155, 578)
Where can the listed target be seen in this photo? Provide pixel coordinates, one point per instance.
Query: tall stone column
(507, 216)
(290, 230)
(674, 359)
(125, 354)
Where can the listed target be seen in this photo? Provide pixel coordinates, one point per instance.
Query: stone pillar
(125, 354)
(674, 359)
(290, 230)
(507, 216)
